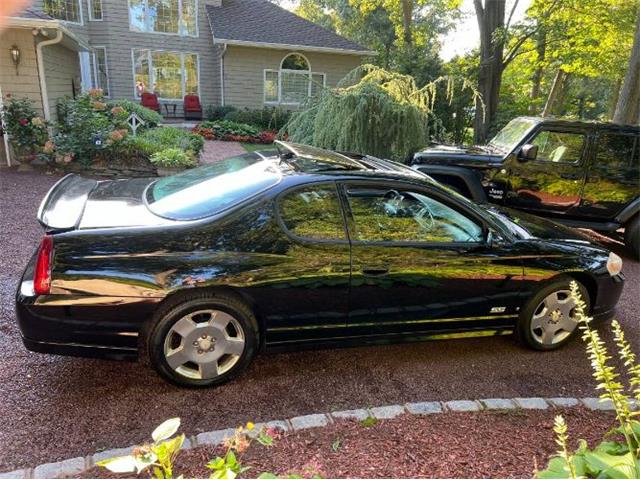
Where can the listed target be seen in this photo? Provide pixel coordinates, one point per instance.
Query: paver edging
(317, 420)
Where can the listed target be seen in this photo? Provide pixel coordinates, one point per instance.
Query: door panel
(421, 267)
(553, 182)
(613, 178)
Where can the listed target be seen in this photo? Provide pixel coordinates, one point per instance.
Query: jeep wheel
(632, 237)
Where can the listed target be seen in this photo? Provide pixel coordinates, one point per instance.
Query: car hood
(459, 155)
(77, 202)
(526, 226)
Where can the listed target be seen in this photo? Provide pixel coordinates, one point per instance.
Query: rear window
(210, 189)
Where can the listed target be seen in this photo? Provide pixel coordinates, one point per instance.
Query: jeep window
(615, 150)
(507, 138)
(559, 147)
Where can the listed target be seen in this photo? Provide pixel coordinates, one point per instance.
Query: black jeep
(582, 174)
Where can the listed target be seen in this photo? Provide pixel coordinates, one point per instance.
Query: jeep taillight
(44, 260)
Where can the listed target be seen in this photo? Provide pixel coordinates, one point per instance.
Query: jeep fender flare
(628, 212)
(469, 177)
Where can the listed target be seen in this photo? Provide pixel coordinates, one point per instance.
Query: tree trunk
(556, 93)
(490, 18)
(614, 98)
(629, 101)
(536, 78)
(407, 21)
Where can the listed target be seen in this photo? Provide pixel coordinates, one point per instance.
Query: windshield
(511, 134)
(210, 189)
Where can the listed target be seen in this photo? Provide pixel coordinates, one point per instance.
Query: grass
(252, 147)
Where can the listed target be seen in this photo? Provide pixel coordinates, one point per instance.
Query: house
(245, 53)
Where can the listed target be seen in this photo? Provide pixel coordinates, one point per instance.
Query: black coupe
(303, 246)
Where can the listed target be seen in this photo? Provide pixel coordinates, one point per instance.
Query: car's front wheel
(204, 340)
(548, 320)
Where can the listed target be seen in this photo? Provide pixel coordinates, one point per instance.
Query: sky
(466, 36)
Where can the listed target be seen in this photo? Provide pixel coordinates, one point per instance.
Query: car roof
(565, 122)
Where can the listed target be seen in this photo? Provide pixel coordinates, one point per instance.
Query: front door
(421, 266)
(553, 182)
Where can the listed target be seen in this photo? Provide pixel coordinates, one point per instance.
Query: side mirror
(528, 152)
(493, 239)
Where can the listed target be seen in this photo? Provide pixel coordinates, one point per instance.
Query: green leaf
(126, 464)
(267, 476)
(611, 466)
(166, 429)
(557, 468)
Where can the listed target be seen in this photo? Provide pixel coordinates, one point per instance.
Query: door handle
(375, 271)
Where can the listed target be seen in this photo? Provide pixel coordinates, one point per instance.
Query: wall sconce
(15, 56)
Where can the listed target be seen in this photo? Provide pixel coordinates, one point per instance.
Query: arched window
(293, 82)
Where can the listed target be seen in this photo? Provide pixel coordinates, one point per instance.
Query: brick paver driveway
(60, 407)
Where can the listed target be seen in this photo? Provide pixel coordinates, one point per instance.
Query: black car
(582, 174)
(201, 270)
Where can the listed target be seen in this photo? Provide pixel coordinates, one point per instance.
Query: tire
(538, 338)
(205, 339)
(632, 237)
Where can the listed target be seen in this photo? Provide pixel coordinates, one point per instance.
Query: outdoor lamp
(15, 56)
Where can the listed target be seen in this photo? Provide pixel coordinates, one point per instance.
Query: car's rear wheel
(548, 320)
(204, 340)
(632, 236)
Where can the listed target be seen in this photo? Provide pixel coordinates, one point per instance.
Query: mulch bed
(503, 444)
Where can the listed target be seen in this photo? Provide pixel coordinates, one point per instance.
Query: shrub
(173, 157)
(170, 137)
(28, 132)
(150, 117)
(218, 112)
(232, 131)
(620, 456)
(266, 118)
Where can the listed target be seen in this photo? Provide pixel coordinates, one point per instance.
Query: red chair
(192, 107)
(150, 100)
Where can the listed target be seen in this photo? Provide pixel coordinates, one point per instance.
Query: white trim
(106, 69)
(90, 10)
(308, 69)
(21, 22)
(286, 46)
(177, 34)
(309, 73)
(151, 77)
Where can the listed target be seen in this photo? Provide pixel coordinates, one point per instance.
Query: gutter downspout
(41, 75)
(224, 50)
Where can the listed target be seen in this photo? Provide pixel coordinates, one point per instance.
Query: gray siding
(26, 82)
(244, 71)
(62, 72)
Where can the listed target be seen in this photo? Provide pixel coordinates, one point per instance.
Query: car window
(615, 150)
(406, 216)
(313, 212)
(565, 147)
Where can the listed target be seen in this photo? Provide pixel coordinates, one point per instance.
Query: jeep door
(421, 265)
(553, 181)
(613, 174)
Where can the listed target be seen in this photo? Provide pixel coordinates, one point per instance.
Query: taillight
(42, 277)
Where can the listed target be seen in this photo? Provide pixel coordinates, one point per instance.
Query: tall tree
(490, 22)
(628, 106)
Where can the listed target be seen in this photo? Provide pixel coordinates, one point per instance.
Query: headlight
(614, 264)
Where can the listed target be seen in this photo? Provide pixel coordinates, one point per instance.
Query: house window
(102, 72)
(170, 75)
(95, 10)
(67, 10)
(176, 17)
(293, 83)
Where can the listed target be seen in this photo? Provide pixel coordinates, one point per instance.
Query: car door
(553, 181)
(421, 265)
(309, 294)
(613, 175)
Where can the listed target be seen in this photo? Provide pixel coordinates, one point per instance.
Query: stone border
(73, 466)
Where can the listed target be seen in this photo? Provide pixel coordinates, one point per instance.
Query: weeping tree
(373, 111)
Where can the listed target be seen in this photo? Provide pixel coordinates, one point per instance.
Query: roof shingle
(260, 21)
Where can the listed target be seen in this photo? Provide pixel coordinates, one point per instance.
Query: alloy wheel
(554, 318)
(204, 344)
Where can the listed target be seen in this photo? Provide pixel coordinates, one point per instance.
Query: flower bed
(229, 131)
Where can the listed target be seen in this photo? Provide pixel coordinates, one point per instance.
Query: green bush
(173, 157)
(150, 117)
(28, 132)
(171, 137)
(218, 112)
(227, 128)
(267, 118)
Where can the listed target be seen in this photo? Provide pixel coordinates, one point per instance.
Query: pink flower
(117, 110)
(24, 122)
(95, 92)
(49, 147)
